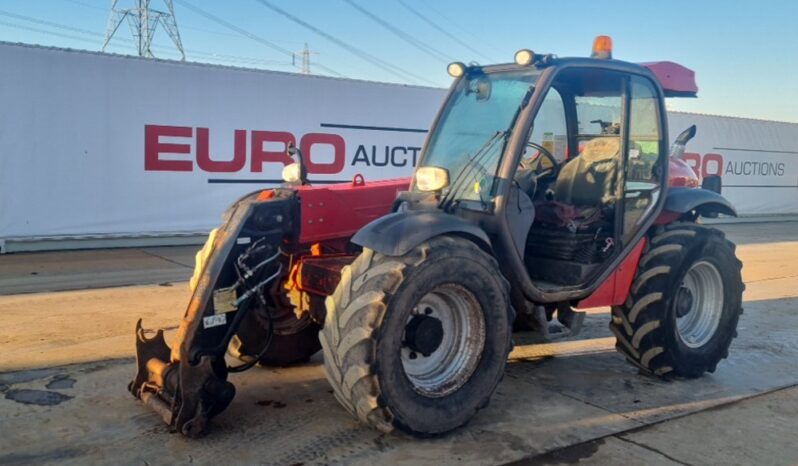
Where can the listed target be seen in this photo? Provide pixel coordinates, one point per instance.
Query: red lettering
(153, 148)
(694, 160)
(718, 159)
(227, 166)
(339, 147)
(259, 155)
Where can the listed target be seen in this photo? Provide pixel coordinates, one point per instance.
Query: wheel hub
(684, 301)
(423, 334)
(444, 336)
(699, 304)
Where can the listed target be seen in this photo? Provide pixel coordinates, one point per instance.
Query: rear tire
(418, 342)
(684, 304)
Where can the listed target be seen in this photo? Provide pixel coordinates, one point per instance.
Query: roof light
(524, 57)
(602, 47)
(456, 69)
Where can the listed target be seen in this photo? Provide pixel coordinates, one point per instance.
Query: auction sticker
(214, 320)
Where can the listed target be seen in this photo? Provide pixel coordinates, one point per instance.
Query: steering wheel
(550, 172)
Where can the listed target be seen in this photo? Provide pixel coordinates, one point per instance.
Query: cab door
(645, 156)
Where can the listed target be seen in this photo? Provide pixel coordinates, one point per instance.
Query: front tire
(290, 344)
(418, 342)
(684, 304)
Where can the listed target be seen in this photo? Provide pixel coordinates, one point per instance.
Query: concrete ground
(67, 359)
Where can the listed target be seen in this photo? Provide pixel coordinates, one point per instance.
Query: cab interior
(591, 170)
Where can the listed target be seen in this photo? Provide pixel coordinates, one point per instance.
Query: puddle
(11, 378)
(568, 455)
(107, 364)
(36, 397)
(61, 382)
(272, 403)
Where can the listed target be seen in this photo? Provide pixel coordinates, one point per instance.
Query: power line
(87, 5)
(248, 34)
(51, 33)
(47, 23)
(470, 33)
(209, 31)
(442, 30)
(393, 69)
(218, 56)
(428, 49)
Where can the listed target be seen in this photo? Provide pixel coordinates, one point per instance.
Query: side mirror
(295, 173)
(677, 149)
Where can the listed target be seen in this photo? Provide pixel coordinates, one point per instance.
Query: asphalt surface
(67, 360)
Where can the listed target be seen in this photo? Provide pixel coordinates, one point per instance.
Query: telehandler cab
(545, 186)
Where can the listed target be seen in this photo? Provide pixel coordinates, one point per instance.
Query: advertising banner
(103, 145)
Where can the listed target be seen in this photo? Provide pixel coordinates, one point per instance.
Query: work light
(524, 57)
(602, 47)
(292, 173)
(456, 69)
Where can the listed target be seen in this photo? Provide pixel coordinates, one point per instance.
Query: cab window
(550, 130)
(642, 184)
(644, 130)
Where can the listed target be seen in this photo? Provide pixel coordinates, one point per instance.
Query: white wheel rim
(452, 363)
(699, 325)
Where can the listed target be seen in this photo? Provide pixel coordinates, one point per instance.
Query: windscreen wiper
(456, 187)
(459, 181)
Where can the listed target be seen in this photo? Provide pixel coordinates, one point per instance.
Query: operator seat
(590, 178)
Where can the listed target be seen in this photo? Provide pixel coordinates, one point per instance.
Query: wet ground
(67, 360)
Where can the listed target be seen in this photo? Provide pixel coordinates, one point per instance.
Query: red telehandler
(545, 185)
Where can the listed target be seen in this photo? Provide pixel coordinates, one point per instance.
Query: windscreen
(470, 135)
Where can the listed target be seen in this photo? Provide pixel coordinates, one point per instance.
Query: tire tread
(360, 302)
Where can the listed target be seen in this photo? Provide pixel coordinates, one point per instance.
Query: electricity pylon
(306, 53)
(143, 22)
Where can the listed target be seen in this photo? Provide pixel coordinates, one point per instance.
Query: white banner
(93, 144)
(757, 159)
(98, 144)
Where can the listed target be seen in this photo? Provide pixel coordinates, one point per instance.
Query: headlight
(292, 173)
(431, 179)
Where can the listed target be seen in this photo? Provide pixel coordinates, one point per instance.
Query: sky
(744, 53)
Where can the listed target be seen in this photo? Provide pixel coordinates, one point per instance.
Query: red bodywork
(681, 175)
(615, 289)
(675, 79)
(332, 214)
(338, 211)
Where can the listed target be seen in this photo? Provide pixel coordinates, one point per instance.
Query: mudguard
(396, 234)
(703, 201)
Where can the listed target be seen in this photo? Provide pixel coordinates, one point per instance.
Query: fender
(396, 234)
(703, 201)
